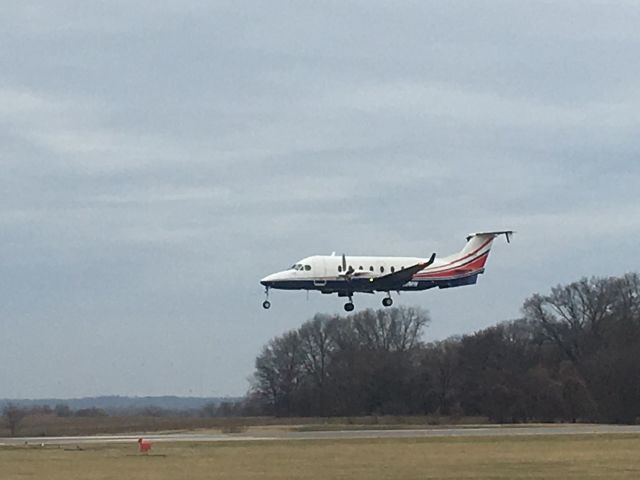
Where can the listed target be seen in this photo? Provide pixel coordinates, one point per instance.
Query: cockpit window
(307, 267)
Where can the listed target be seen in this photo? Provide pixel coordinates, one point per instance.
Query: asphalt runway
(284, 435)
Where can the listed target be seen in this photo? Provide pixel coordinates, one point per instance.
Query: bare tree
(317, 343)
(317, 347)
(391, 330)
(440, 364)
(278, 370)
(574, 316)
(13, 416)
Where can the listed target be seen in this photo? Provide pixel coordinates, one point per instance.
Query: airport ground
(48, 425)
(543, 452)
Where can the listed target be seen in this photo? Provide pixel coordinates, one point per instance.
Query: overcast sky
(159, 158)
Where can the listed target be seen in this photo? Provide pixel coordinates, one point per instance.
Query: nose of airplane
(274, 278)
(268, 280)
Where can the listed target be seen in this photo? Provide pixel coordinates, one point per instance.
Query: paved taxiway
(272, 435)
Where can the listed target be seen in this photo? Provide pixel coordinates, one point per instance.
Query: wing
(394, 280)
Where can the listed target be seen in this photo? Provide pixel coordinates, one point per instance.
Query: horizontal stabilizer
(507, 233)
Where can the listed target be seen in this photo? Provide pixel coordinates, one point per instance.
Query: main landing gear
(266, 304)
(387, 301)
(348, 307)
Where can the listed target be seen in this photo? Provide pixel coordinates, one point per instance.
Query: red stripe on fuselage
(440, 268)
(472, 265)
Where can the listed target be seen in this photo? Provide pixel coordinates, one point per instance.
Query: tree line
(572, 356)
(16, 417)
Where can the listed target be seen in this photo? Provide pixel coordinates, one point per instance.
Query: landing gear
(348, 307)
(387, 301)
(266, 304)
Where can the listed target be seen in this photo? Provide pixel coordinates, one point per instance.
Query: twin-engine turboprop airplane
(348, 275)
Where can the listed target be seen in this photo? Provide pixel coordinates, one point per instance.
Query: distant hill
(116, 403)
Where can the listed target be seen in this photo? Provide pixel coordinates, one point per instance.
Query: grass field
(42, 425)
(558, 457)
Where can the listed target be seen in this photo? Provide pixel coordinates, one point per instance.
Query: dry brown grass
(52, 425)
(565, 457)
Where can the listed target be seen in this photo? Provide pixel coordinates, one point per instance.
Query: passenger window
(381, 269)
(393, 269)
(339, 268)
(371, 268)
(307, 267)
(360, 268)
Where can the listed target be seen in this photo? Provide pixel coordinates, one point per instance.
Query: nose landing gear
(266, 304)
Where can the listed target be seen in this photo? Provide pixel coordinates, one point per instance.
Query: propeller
(346, 272)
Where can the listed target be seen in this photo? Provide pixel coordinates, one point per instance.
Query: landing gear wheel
(387, 302)
(266, 304)
(349, 307)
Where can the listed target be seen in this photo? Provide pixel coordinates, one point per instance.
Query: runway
(257, 435)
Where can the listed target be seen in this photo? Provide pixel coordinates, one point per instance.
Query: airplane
(349, 275)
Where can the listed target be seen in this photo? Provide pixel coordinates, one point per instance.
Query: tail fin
(476, 251)
(463, 268)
